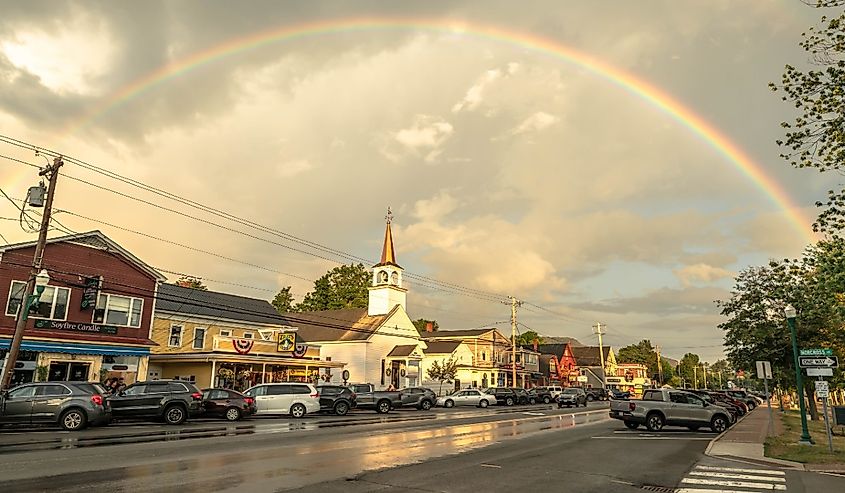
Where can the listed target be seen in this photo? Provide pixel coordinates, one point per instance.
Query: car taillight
(316, 395)
(631, 406)
(97, 399)
(249, 401)
(196, 396)
(354, 396)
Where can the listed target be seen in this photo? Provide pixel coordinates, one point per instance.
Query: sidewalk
(744, 440)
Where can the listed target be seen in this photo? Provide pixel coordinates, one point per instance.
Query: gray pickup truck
(670, 407)
(382, 401)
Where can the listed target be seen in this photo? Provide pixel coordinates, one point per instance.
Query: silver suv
(71, 405)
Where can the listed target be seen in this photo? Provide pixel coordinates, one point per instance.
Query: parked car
(337, 399)
(466, 397)
(382, 401)
(540, 394)
(227, 403)
(572, 396)
(418, 397)
(555, 390)
(504, 396)
(670, 407)
(522, 396)
(71, 405)
(743, 407)
(296, 399)
(174, 401)
(615, 393)
(743, 396)
(597, 394)
(716, 399)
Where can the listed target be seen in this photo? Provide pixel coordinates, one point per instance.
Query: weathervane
(389, 216)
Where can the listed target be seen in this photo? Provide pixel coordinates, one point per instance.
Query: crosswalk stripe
(736, 469)
(734, 484)
(699, 490)
(713, 474)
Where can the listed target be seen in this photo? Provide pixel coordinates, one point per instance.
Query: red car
(226, 403)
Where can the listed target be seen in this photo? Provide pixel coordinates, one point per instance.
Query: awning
(74, 348)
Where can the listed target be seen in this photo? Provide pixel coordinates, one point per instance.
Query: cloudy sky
(510, 170)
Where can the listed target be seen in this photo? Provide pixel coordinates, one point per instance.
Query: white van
(296, 399)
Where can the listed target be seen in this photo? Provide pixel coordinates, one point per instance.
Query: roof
(348, 324)
(388, 253)
(94, 239)
(210, 304)
(402, 350)
(556, 349)
(455, 333)
(441, 347)
(588, 355)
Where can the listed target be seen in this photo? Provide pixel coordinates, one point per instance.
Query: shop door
(58, 372)
(79, 372)
(394, 374)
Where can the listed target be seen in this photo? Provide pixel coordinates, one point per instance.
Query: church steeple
(388, 254)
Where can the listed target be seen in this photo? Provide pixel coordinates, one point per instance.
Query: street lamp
(42, 279)
(41, 282)
(790, 313)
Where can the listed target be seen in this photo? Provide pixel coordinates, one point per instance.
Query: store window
(199, 338)
(175, 339)
(225, 333)
(248, 335)
(113, 309)
(52, 304)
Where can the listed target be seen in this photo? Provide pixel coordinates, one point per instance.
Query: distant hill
(561, 340)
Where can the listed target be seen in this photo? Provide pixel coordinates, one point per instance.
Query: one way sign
(818, 362)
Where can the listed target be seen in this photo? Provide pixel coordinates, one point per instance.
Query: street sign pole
(769, 403)
(823, 395)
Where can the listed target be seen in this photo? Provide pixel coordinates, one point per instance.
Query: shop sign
(286, 342)
(78, 327)
(90, 291)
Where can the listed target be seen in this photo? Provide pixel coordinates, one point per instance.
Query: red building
(558, 364)
(94, 318)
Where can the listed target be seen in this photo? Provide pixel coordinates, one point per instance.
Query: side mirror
(4, 393)
(705, 404)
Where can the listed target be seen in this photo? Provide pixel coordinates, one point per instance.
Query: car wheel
(654, 422)
(631, 425)
(297, 410)
(719, 424)
(425, 405)
(233, 414)
(693, 428)
(546, 400)
(509, 401)
(590, 398)
(73, 419)
(175, 414)
(483, 403)
(532, 401)
(449, 403)
(383, 407)
(341, 408)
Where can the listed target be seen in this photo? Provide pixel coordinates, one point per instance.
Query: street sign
(819, 372)
(764, 370)
(821, 389)
(818, 361)
(816, 352)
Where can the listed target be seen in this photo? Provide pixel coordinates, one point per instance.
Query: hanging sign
(243, 346)
(286, 343)
(90, 291)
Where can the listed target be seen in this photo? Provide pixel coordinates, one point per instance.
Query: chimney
(429, 326)
(536, 344)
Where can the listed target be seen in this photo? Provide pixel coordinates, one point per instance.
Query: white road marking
(727, 475)
(734, 484)
(494, 466)
(533, 413)
(654, 438)
(699, 490)
(737, 469)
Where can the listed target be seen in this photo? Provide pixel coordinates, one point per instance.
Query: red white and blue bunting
(243, 346)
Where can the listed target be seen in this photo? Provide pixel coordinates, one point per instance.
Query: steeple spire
(388, 255)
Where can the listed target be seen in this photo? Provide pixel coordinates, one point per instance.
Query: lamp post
(41, 282)
(790, 313)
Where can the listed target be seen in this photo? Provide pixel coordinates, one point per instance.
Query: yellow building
(630, 377)
(222, 340)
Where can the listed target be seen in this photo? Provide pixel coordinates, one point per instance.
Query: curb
(761, 459)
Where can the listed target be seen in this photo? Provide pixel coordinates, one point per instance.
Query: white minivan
(296, 399)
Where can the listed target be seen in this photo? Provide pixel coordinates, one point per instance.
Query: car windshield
(570, 391)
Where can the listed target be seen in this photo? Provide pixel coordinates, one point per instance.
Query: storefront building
(630, 377)
(558, 365)
(92, 321)
(222, 340)
(484, 356)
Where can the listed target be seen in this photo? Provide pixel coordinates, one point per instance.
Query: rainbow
(628, 82)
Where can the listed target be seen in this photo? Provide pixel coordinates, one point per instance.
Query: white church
(379, 344)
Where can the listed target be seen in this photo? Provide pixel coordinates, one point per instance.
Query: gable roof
(454, 333)
(442, 347)
(404, 350)
(348, 324)
(94, 239)
(210, 304)
(588, 355)
(556, 349)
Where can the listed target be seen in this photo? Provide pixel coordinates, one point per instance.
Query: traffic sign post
(819, 372)
(818, 361)
(764, 372)
(816, 352)
(823, 391)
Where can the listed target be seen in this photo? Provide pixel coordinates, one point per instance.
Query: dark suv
(418, 397)
(336, 399)
(171, 400)
(71, 405)
(539, 394)
(597, 394)
(504, 395)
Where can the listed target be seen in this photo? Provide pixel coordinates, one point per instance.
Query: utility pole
(695, 377)
(601, 355)
(705, 375)
(659, 367)
(52, 172)
(514, 304)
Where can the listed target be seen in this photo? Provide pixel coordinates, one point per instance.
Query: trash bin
(839, 415)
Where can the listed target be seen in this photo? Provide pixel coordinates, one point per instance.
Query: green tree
(191, 282)
(686, 368)
(444, 371)
(421, 324)
(528, 337)
(642, 352)
(342, 287)
(816, 138)
(283, 301)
